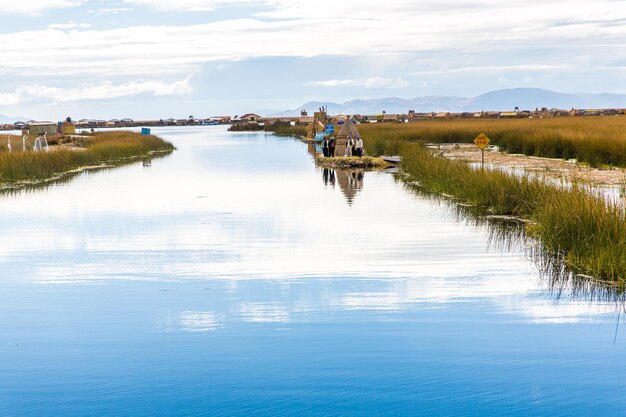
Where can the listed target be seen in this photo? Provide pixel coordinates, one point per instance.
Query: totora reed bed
(584, 232)
(20, 168)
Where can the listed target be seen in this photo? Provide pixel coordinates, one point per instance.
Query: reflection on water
(328, 175)
(68, 177)
(507, 233)
(198, 321)
(350, 181)
(211, 283)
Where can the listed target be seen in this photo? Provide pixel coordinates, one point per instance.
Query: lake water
(236, 278)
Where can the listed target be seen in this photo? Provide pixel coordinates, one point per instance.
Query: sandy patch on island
(553, 168)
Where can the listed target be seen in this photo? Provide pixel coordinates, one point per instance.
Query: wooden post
(482, 141)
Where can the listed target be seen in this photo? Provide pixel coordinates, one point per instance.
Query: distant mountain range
(499, 100)
(8, 119)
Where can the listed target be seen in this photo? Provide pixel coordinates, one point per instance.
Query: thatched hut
(347, 129)
(68, 128)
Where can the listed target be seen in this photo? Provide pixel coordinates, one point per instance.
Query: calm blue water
(235, 278)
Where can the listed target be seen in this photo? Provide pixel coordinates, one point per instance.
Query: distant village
(413, 116)
(304, 118)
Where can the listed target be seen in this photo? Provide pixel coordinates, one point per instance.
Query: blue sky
(167, 58)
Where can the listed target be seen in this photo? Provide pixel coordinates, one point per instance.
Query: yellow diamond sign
(482, 141)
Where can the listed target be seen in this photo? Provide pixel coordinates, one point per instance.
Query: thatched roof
(348, 129)
(316, 126)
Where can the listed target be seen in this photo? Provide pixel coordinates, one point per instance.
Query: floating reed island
(586, 233)
(595, 141)
(72, 154)
(347, 162)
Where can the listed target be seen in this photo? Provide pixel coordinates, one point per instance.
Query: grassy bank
(586, 233)
(598, 141)
(101, 148)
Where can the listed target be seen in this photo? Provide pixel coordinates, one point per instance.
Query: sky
(174, 58)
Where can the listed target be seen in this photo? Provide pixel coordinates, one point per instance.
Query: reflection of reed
(26, 188)
(564, 282)
(67, 177)
(509, 234)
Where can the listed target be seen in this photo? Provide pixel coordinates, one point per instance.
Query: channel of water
(236, 277)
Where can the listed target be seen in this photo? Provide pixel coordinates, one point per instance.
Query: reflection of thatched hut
(347, 129)
(350, 182)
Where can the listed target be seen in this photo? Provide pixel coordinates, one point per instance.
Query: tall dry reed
(598, 141)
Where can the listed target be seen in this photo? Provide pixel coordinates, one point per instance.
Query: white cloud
(35, 6)
(322, 28)
(104, 90)
(490, 69)
(109, 10)
(460, 40)
(9, 99)
(185, 5)
(69, 25)
(374, 82)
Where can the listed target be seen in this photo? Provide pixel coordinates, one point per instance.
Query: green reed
(101, 148)
(587, 233)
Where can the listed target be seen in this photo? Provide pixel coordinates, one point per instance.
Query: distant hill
(499, 100)
(7, 119)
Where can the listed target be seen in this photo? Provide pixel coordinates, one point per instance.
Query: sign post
(482, 141)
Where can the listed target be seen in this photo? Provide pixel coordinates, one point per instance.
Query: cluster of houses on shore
(413, 116)
(126, 122)
(304, 118)
(516, 114)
